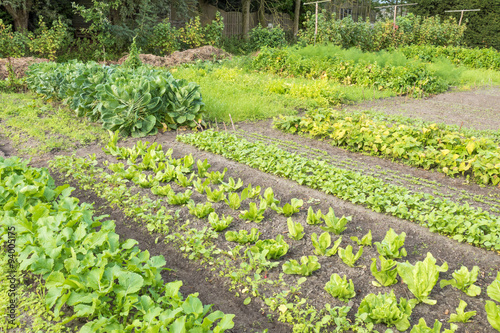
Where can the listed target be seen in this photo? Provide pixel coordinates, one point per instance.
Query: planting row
(420, 278)
(136, 101)
(462, 223)
(409, 77)
(427, 147)
(110, 283)
(472, 58)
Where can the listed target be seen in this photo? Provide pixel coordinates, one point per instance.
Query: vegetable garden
(158, 210)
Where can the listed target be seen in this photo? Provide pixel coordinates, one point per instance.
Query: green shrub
(12, 44)
(269, 37)
(164, 39)
(47, 42)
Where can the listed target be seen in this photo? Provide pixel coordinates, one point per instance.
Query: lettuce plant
(295, 230)
(276, 248)
(493, 309)
(243, 237)
(365, 241)
(464, 280)
(200, 210)
(384, 308)
(390, 245)
(306, 267)
(166, 175)
(322, 243)
(233, 200)
(348, 257)
(179, 198)
(250, 192)
(161, 190)
(339, 287)
(202, 167)
(461, 316)
(422, 277)
(253, 213)
(289, 208)
(333, 223)
(184, 181)
(422, 327)
(200, 186)
(269, 197)
(232, 185)
(215, 195)
(387, 275)
(219, 224)
(216, 177)
(314, 218)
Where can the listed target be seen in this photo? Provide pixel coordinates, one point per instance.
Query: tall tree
(296, 17)
(245, 10)
(19, 10)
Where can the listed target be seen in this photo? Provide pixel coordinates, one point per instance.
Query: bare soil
(214, 290)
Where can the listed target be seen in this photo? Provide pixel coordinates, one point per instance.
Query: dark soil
(213, 289)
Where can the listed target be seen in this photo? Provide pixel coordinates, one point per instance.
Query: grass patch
(37, 127)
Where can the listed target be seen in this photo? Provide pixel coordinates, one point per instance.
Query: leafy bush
(135, 102)
(266, 37)
(409, 29)
(12, 44)
(47, 42)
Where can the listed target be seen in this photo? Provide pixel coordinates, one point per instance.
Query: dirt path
(479, 109)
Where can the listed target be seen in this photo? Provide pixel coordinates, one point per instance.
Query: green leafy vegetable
(306, 267)
(275, 248)
(384, 308)
(422, 327)
(464, 280)
(492, 309)
(243, 237)
(313, 218)
(334, 224)
(183, 181)
(219, 224)
(200, 186)
(389, 247)
(269, 197)
(216, 177)
(461, 316)
(322, 243)
(250, 192)
(200, 210)
(215, 195)
(422, 277)
(289, 208)
(348, 257)
(339, 287)
(234, 201)
(387, 275)
(161, 190)
(179, 198)
(253, 213)
(295, 230)
(202, 167)
(231, 185)
(365, 241)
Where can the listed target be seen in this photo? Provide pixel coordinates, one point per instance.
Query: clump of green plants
(219, 223)
(339, 287)
(243, 237)
(391, 244)
(348, 257)
(387, 275)
(200, 210)
(295, 229)
(322, 243)
(464, 281)
(308, 264)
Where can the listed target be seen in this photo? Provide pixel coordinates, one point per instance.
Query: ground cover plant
(427, 147)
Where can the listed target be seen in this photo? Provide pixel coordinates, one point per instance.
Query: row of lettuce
(135, 100)
(429, 147)
(381, 308)
(460, 222)
(110, 283)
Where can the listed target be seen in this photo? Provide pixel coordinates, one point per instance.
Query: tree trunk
(296, 16)
(262, 11)
(20, 15)
(246, 17)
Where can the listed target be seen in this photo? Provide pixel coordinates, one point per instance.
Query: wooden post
(316, 23)
(461, 13)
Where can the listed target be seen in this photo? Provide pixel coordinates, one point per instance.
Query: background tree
(19, 10)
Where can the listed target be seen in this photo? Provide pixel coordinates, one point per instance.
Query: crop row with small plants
(86, 267)
(413, 77)
(260, 256)
(472, 58)
(136, 101)
(460, 222)
(427, 147)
